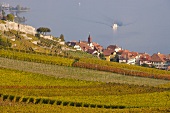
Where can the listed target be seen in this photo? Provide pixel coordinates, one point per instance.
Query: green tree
(43, 30)
(115, 59)
(102, 56)
(10, 17)
(62, 37)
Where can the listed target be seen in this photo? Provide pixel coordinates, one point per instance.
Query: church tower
(90, 42)
(89, 39)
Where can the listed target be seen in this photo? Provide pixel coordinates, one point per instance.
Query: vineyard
(55, 102)
(79, 54)
(30, 88)
(124, 69)
(34, 81)
(36, 58)
(12, 107)
(86, 62)
(77, 73)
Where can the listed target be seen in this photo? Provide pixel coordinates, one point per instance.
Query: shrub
(59, 102)
(5, 97)
(72, 103)
(86, 105)
(31, 100)
(99, 106)
(78, 104)
(17, 99)
(38, 101)
(92, 105)
(122, 107)
(51, 102)
(65, 103)
(107, 106)
(11, 98)
(45, 101)
(25, 99)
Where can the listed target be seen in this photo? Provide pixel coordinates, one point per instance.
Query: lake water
(146, 23)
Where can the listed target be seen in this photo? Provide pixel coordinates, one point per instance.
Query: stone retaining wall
(18, 27)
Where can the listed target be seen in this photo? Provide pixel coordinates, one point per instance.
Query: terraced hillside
(77, 89)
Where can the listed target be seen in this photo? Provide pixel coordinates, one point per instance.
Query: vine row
(120, 70)
(55, 102)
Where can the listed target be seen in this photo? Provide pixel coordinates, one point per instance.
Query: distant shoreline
(18, 8)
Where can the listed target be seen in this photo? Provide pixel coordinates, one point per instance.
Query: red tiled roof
(145, 57)
(112, 47)
(158, 58)
(128, 55)
(84, 46)
(91, 51)
(107, 52)
(121, 51)
(97, 46)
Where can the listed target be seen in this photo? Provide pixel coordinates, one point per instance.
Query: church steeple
(89, 39)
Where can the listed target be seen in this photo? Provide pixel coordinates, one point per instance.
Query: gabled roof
(121, 51)
(107, 52)
(145, 57)
(128, 55)
(97, 46)
(158, 58)
(112, 47)
(83, 46)
(91, 51)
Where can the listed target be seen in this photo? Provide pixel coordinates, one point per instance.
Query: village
(117, 54)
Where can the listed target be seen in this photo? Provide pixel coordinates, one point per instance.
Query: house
(84, 46)
(128, 57)
(92, 51)
(71, 43)
(114, 47)
(111, 51)
(98, 47)
(77, 47)
(144, 58)
(109, 54)
(160, 61)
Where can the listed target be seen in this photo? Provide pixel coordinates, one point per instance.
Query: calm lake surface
(146, 23)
